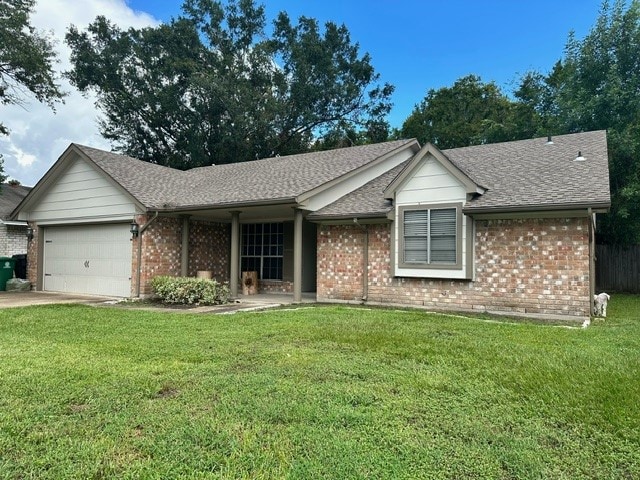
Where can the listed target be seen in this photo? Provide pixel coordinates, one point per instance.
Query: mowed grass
(316, 392)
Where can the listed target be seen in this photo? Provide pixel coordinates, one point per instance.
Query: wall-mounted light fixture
(29, 233)
(134, 229)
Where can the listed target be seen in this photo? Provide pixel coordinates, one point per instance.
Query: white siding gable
(81, 193)
(353, 182)
(431, 184)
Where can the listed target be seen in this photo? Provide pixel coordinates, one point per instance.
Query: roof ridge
(332, 151)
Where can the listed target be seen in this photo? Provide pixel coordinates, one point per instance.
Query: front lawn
(317, 392)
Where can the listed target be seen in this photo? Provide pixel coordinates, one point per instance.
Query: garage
(93, 259)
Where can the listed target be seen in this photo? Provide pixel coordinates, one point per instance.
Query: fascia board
(56, 170)
(302, 198)
(429, 148)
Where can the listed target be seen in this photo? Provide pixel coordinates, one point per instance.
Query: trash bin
(21, 265)
(6, 271)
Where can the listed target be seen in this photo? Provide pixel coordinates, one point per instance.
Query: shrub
(190, 291)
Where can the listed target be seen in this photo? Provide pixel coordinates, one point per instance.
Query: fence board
(618, 268)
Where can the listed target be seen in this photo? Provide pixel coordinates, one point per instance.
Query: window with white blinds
(430, 236)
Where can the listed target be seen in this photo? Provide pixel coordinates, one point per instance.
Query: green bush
(190, 291)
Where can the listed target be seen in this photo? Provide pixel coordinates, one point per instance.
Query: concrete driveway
(25, 299)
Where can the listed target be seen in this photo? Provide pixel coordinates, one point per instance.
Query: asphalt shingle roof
(10, 197)
(530, 173)
(275, 178)
(366, 201)
(520, 175)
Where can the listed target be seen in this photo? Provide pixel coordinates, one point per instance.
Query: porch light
(29, 234)
(134, 229)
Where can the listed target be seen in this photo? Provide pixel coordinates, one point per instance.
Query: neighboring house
(504, 228)
(13, 233)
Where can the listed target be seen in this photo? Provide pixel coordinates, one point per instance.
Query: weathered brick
(525, 266)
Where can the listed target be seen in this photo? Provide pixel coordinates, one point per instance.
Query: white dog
(600, 304)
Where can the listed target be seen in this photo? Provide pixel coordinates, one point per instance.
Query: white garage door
(92, 259)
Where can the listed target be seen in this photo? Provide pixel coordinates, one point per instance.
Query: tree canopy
(470, 112)
(211, 87)
(597, 86)
(26, 60)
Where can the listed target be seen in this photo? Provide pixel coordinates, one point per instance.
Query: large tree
(211, 87)
(470, 112)
(26, 60)
(597, 86)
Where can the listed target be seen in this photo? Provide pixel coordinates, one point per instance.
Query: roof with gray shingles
(366, 201)
(269, 179)
(519, 175)
(530, 173)
(10, 197)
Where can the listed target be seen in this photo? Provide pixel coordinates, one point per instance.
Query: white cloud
(38, 135)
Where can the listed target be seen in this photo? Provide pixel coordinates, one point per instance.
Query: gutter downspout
(365, 261)
(592, 257)
(141, 231)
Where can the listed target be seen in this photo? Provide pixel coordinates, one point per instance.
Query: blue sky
(414, 45)
(418, 45)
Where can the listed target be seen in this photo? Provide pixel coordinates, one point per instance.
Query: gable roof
(431, 150)
(524, 175)
(10, 197)
(267, 180)
(366, 201)
(531, 174)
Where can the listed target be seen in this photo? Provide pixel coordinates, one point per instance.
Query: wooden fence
(618, 268)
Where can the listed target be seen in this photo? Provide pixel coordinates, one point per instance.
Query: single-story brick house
(505, 227)
(13, 233)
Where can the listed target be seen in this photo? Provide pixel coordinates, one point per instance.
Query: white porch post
(297, 255)
(235, 254)
(184, 257)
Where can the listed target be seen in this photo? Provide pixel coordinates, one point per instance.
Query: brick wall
(274, 286)
(209, 248)
(162, 250)
(32, 256)
(13, 240)
(533, 266)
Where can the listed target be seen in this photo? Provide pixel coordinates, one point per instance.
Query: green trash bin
(6, 271)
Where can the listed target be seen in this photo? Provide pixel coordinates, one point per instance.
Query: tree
(596, 87)
(468, 113)
(211, 87)
(26, 60)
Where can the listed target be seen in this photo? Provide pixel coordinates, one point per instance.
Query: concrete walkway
(25, 299)
(242, 304)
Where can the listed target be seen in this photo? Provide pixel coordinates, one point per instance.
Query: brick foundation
(274, 286)
(532, 266)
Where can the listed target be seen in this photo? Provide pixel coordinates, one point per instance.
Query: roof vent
(579, 158)
(549, 141)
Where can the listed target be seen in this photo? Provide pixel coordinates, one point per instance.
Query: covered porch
(273, 240)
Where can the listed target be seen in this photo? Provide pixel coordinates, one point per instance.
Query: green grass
(319, 392)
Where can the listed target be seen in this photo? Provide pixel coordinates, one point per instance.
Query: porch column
(297, 255)
(184, 257)
(235, 254)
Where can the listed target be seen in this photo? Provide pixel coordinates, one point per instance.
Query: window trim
(430, 266)
(262, 256)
